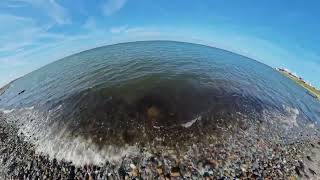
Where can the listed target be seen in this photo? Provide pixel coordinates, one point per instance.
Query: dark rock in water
(158, 109)
(22, 92)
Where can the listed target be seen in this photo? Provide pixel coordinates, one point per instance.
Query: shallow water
(157, 92)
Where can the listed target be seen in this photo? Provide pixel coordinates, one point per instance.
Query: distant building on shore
(288, 72)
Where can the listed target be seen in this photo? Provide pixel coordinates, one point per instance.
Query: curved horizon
(278, 34)
(134, 42)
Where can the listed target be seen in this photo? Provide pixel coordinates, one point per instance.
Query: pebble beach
(135, 113)
(257, 159)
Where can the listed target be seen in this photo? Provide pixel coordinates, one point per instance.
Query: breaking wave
(109, 102)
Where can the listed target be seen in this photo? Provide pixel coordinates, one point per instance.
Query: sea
(106, 102)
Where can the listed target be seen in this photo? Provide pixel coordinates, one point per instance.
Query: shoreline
(4, 88)
(257, 159)
(311, 89)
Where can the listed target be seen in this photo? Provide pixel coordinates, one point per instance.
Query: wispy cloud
(136, 31)
(118, 29)
(23, 33)
(49, 7)
(12, 4)
(19, 63)
(112, 6)
(17, 32)
(90, 24)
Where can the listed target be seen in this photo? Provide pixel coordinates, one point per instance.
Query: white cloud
(22, 62)
(112, 6)
(10, 4)
(136, 31)
(17, 32)
(90, 24)
(20, 37)
(118, 29)
(49, 7)
(8, 21)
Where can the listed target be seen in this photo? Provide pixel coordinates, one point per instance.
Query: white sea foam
(190, 123)
(7, 111)
(81, 151)
(288, 119)
(58, 143)
(292, 114)
(29, 108)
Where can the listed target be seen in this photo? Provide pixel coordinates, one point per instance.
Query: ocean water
(105, 102)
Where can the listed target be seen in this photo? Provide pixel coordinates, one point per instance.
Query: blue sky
(278, 33)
